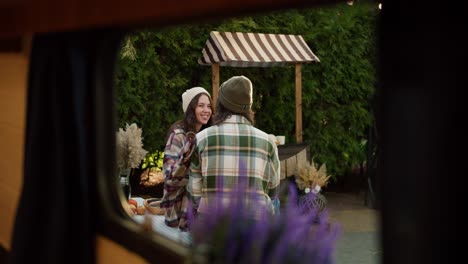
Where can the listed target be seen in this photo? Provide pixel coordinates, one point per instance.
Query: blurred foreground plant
(243, 231)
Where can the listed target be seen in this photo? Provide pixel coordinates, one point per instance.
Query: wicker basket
(152, 205)
(313, 201)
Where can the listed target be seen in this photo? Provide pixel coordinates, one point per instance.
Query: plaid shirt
(232, 153)
(175, 198)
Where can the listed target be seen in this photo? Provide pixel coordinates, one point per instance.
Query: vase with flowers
(310, 179)
(130, 153)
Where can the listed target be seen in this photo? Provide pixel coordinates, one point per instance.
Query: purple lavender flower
(244, 231)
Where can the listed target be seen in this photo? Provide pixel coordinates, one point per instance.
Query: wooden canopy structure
(239, 49)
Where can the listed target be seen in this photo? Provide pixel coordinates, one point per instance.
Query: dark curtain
(422, 66)
(56, 218)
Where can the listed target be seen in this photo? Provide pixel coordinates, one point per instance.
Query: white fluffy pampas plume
(129, 150)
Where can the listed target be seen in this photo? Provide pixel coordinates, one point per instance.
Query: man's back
(232, 153)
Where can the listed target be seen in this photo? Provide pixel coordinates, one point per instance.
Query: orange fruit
(131, 201)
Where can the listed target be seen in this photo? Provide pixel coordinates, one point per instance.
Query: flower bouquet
(310, 180)
(130, 150)
(130, 153)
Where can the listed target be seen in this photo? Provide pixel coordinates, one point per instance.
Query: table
(161, 228)
(290, 156)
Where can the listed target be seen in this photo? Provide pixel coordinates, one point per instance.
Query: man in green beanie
(233, 152)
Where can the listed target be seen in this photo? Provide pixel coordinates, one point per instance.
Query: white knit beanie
(188, 95)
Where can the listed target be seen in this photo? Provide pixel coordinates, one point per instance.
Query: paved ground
(359, 242)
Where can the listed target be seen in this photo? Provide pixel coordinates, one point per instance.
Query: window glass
(313, 73)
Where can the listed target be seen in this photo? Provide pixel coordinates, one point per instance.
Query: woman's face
(203, 110)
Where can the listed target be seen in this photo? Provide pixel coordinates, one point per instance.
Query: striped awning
(238, 49)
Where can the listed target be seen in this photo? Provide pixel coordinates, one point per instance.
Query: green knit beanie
(236, 94)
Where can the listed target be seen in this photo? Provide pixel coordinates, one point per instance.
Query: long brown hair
(222, 113)
(188, 122)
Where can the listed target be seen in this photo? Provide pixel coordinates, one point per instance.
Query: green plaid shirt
(230, 153)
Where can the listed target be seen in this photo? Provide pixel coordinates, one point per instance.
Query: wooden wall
(13, 76)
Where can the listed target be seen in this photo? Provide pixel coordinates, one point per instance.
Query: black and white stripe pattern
(237, 49)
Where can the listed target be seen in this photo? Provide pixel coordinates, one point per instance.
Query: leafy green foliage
(153, 159)
(335, 92)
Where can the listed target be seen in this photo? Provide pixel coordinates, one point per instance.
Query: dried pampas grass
(308, 176)
(130, 150)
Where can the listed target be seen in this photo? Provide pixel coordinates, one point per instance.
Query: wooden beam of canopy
(239, 49)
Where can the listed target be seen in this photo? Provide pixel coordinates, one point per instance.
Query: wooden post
(214, 82)
(298, 103)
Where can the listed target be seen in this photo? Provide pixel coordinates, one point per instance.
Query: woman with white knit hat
(198, 109)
